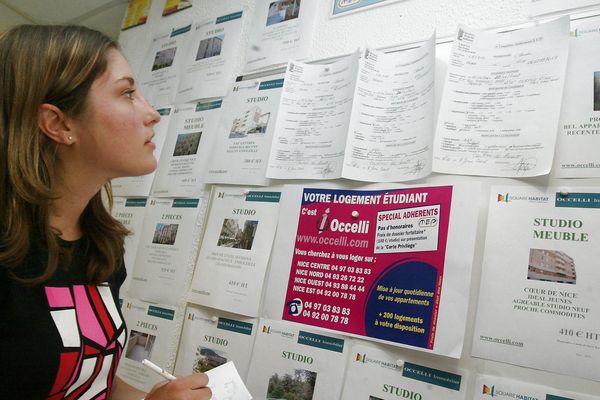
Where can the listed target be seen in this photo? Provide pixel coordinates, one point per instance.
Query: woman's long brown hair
(54, 65)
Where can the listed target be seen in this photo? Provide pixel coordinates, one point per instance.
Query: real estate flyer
(210, 59)
(501, 101)
(290, 361)
(379, 373)
(366, 117)
(539, 304)
(137, 13)
(173, 6)
(243, 137)
(187, 148)
(130, 212)
(579, 127)
(140, 185)
(166, 252)
(487, 387)
(384, 263)
(281, 30)
(230, 270)
(211, 338)
(161, 68)
(153, 333)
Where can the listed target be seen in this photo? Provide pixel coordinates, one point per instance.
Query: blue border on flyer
(343, 6)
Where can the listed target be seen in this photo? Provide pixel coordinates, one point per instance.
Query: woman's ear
(55, 124)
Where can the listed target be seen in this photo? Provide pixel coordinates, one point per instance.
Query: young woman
(70, 121)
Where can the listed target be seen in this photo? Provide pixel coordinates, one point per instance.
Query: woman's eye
(129, 93)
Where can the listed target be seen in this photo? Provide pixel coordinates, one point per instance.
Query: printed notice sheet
(289, 360)
(211, 338)
(130, 212)
(235, 250)
(140, 185)
(153, 332)
(540, 7)
(160, 71)
(501, 101)
(539, 304)
(487, 387)
(187, 149)
(209, 62)
(367, 117)
(165, 257)
(579, 129)
(376, 373)
(312, 121)
(391, 126)
(281, 30)
(389, 263)
(245, 132)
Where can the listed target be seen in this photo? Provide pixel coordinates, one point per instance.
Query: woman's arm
(191, 387)
(121, 390)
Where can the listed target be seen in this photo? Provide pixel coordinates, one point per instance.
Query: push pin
(215, 318)
(354, 214)
(564, 192)
(246, 192)
(400, 363)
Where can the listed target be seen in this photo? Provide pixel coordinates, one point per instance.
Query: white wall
(392, 25)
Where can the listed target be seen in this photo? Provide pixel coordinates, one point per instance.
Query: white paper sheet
(538, 302)
(384, 263)
(130, 212)
(308, 362)
(140, 185)
(366, 117)
(391, 127)
(211, 338)
(210, 57)
(380, 373)
(579, 128)
(165, 258)
(501, 101)
(243, 138)
(231, 266)
(153, 332)
(186, 150)
(488, 386)
(161, 69)
(225, 383)
(281, 30)
(312, 121)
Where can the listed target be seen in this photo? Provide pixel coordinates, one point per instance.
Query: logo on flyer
(323, 222)
(267, 330)
(492, 391)
(362, 358)
(488, 390)
(509, 198)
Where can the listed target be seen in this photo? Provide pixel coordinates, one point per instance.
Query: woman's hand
(191, 387)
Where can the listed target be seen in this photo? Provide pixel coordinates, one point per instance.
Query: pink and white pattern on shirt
(93, 335)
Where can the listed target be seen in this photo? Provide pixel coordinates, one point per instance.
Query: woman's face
(114, 133)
